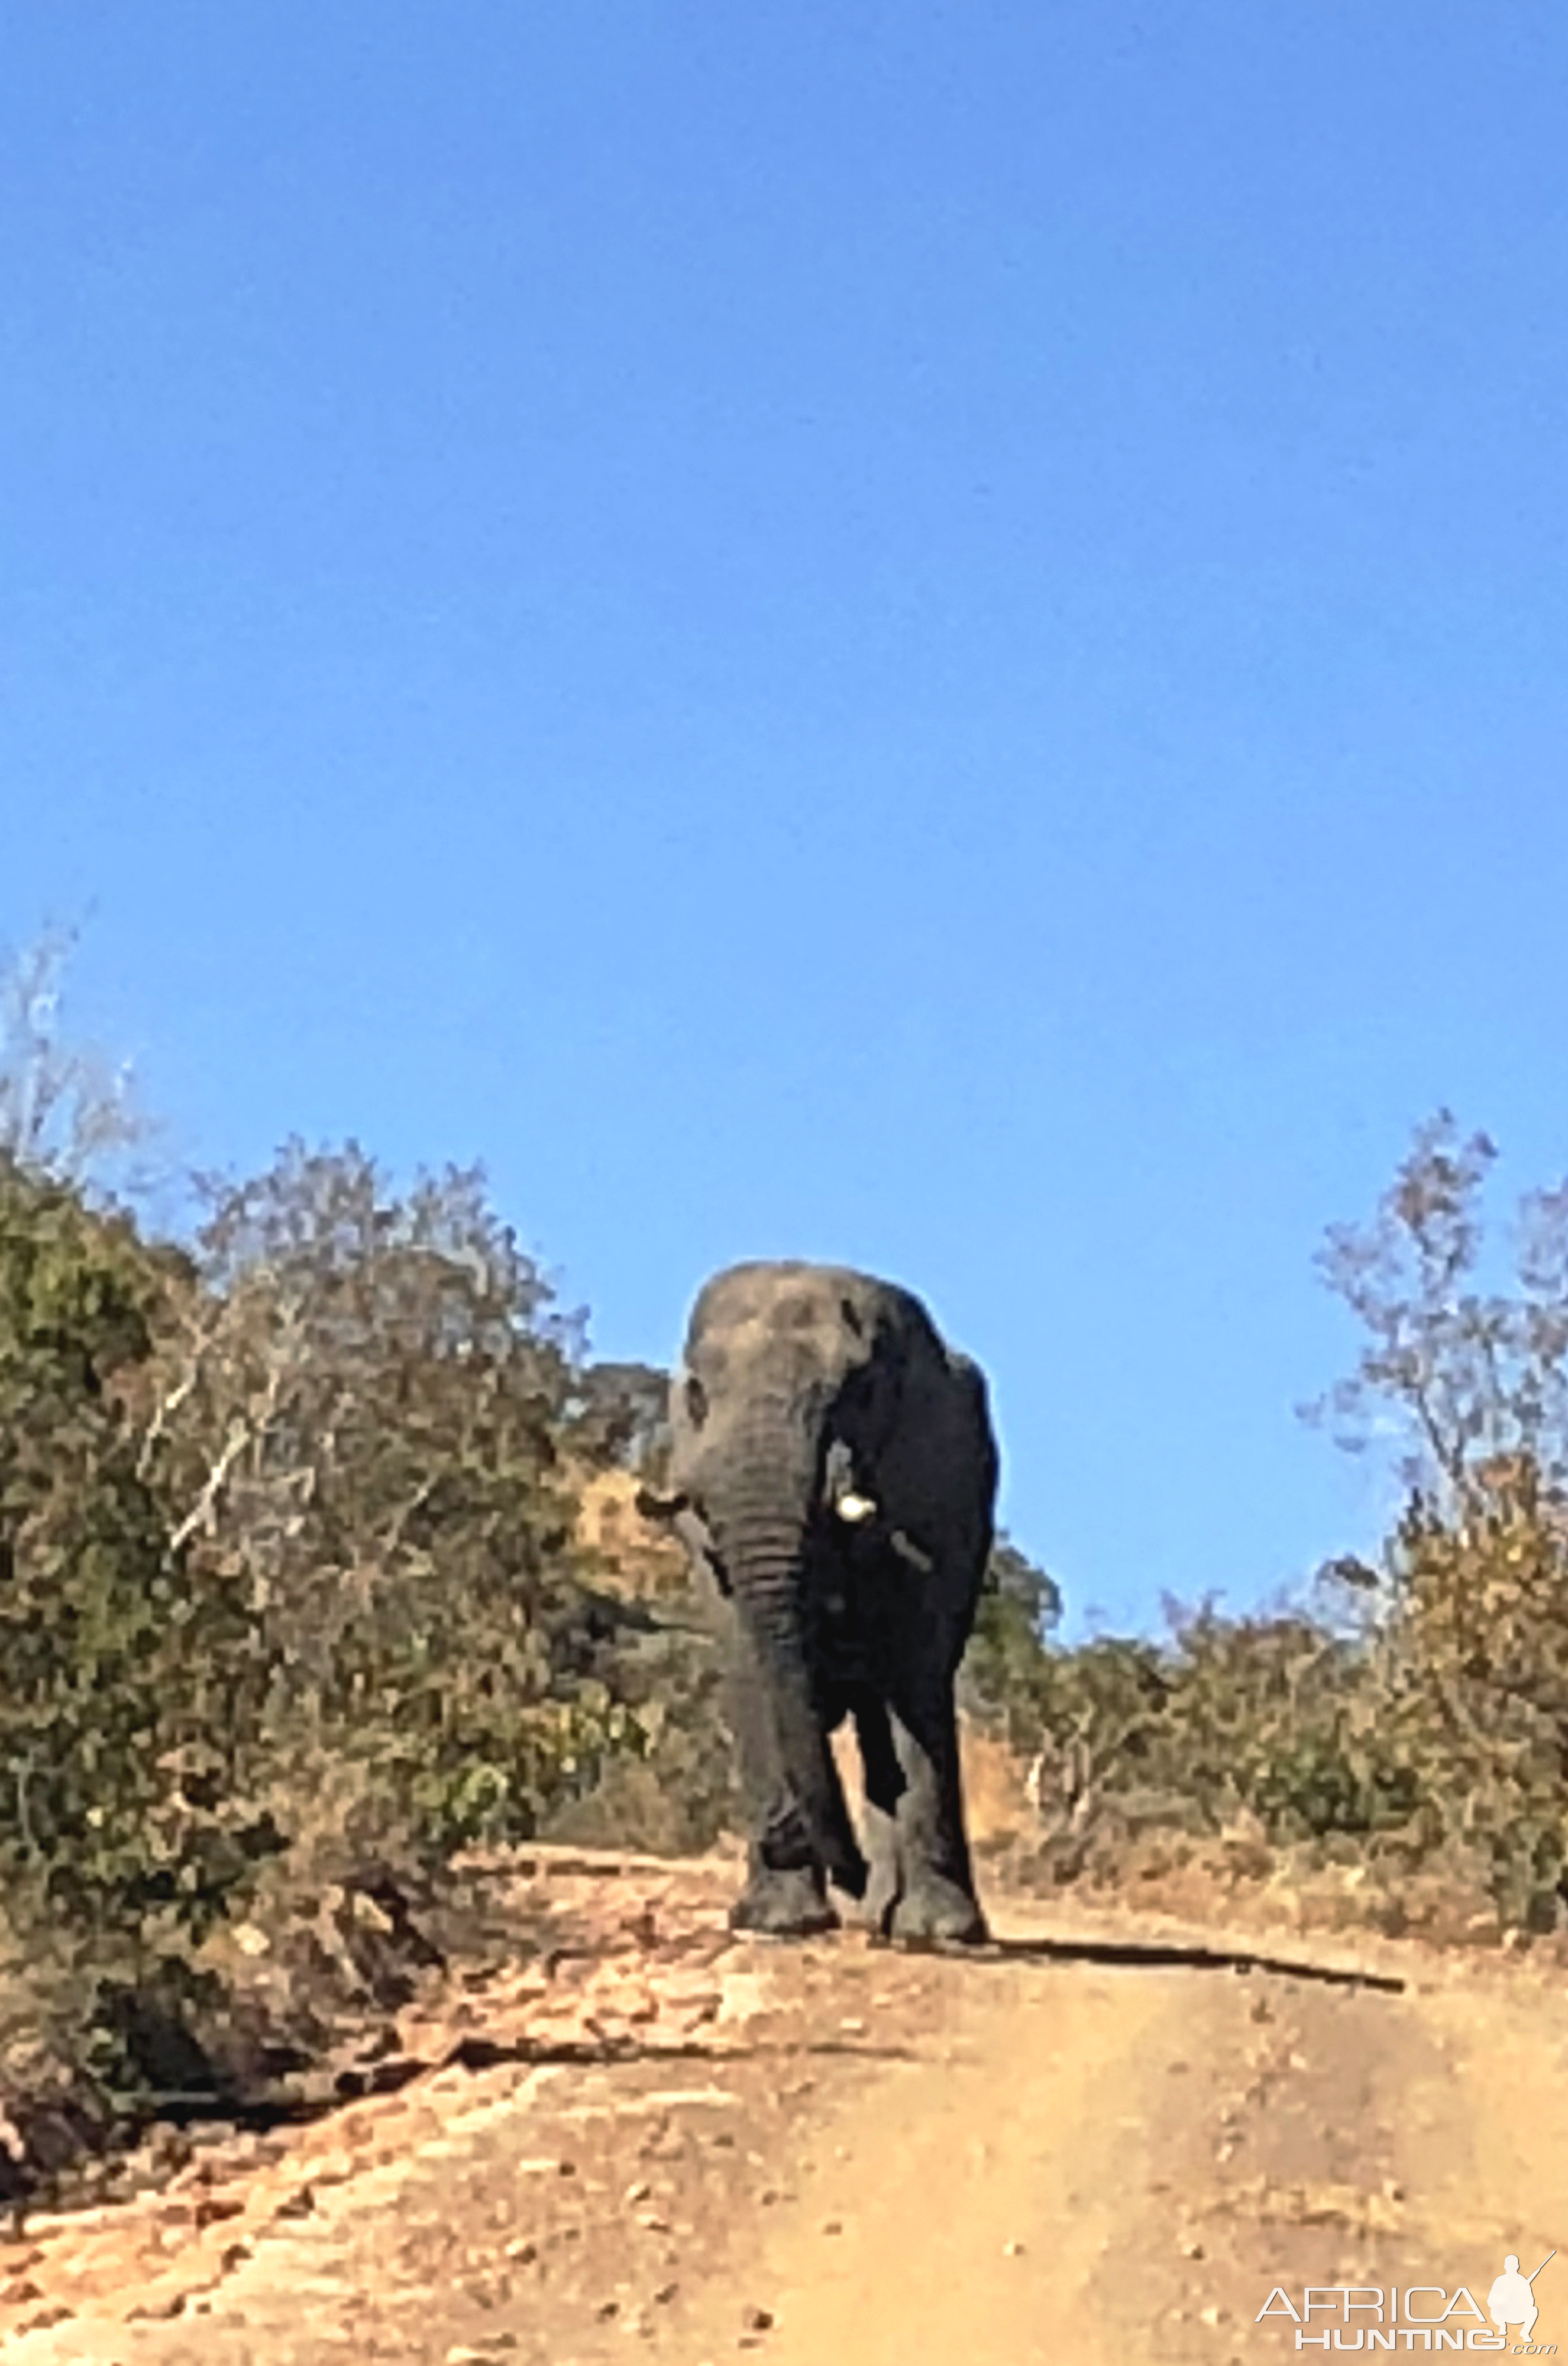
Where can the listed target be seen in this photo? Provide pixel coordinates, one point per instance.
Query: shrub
(110, 1745)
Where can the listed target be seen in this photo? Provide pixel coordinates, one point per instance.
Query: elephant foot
(783, 1905)
(934, 1911)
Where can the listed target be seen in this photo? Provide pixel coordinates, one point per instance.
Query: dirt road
(1106, 2140)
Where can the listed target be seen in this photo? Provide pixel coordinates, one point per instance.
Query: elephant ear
(933, 1471)
(867, 1410)
(975, 1399)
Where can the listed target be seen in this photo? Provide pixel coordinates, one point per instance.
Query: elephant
(833, 1473)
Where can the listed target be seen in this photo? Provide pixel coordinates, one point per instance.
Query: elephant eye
(696, 1402)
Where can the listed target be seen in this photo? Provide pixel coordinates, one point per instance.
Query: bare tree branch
(65, 1110)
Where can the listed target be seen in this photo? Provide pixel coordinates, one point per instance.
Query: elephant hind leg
(937, 1900)
(883, 1786)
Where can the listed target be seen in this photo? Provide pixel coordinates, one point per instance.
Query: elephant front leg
(936, 1900)
(785, 1894)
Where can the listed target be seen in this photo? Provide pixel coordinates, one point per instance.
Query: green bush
(357, 1425)
(108, 1640)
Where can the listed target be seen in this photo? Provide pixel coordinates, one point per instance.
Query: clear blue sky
(936, 636)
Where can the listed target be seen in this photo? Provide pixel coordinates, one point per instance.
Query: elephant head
(783, 1419)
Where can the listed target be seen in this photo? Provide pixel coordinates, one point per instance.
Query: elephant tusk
(854, 1507)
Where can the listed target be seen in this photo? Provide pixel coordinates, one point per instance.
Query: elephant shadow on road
(1153, 1955)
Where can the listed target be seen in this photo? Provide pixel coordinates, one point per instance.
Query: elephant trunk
(765, 1530)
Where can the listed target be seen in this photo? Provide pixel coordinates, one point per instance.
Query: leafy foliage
(355, 1420)
(619, 1417)
(1465, 1374)
(107, 1639)
(1468, 1612)
(1018, 1604)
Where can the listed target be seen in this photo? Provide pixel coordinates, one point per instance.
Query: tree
(1008, 1650)
(619, 1416)
(65, 1110)
(1467, 1638)
(357, 1417)
(105, 1641)
(1469, 1375)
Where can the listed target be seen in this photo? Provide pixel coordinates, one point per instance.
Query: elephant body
(834, 1473)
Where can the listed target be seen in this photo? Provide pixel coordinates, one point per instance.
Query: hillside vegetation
(319, 1566)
